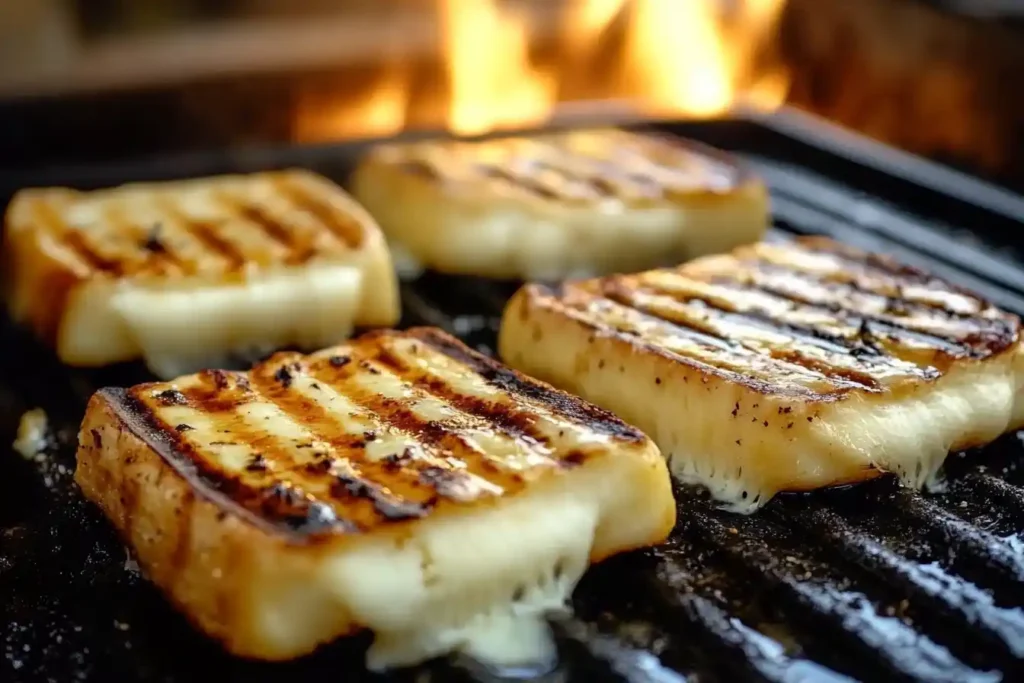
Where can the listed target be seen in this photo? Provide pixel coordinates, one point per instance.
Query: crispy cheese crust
(551, 206)
(401, 483)
(780, 367)
(114, 275)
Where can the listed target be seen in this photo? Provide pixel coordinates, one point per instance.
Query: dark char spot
(257, 464)
(153, 242)
(284, 376)
(387, 506)
(172, 397)
(394, 461)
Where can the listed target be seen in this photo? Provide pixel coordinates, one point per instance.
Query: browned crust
(210, 563)
(882, 341)
(534, 298)
(331, 224)
(229, 570)
(37, 283)
(726, 174)
(46, 259)
(320, 499)
(561, 403)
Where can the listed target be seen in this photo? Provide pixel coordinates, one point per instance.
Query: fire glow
(504, 65)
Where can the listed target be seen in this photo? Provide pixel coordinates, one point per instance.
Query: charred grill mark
(520, 181)
(343, 226)
(390, 507)
(324, 427)
(586, 318)
(160, 256)
(585, 166)
(992, 335)
(139, 249)
(172, 397)
(653, 145)
(154, 242)
(502, 418)
(257, 464)
(710, 337)
(277, 502)
(437, 438)
(859, 346)
(76, 241)
(559, 403)
(180, 456)
(270, 227)
(271, 481)
(289, 503)
(204, 232)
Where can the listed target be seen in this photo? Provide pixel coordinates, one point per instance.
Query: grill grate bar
(805, 220)
(977, 554)
(984, 486)
(876, 583)
(939, 242)
(949, 600)
(849, 619)
(746, 651)
(689, 623)
(626, 663)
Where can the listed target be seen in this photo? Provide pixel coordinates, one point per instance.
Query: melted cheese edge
(745, 447)
(481, 581)
(480, 584)
(186, 328)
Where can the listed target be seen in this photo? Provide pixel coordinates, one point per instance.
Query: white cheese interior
(746, 447)
(480, 584)
(189, 326)
(491, 235)
(31, 438)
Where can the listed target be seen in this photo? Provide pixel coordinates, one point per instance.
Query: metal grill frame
(868, 582)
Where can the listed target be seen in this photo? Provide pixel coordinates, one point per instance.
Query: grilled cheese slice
(780, 367)
(559, 205)
(400, 483)
(182, 274)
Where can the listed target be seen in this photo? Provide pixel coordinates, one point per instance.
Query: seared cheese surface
(599, 168)
(556, 205)
(464, 500)
(779, 366)
(115, 274)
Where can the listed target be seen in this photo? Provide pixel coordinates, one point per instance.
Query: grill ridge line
(993, 631)
(889, 645)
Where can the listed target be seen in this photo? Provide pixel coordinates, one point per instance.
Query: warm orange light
(502, 67)
(692, 58)
(493, 85)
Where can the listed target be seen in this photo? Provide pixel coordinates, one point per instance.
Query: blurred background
(89, 80)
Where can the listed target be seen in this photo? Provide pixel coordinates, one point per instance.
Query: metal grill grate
(868, 583)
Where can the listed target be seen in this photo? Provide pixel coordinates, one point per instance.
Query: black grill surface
(868, 582)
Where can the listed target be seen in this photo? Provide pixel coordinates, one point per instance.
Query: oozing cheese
(423, 491)
(523, 565)
(780, 368)
(185, 327)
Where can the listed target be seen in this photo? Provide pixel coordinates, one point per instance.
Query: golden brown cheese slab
(184, 273)
(780, 366)
(551, 206)
(401, 483)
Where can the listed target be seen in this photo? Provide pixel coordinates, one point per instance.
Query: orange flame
(507, 66)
